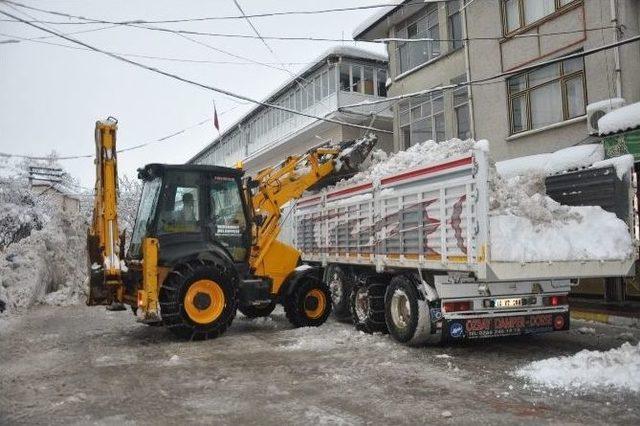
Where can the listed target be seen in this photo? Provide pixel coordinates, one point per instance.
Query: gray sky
(50, 97)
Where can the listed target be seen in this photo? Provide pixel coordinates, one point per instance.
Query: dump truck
(204, 243)
(410, 254)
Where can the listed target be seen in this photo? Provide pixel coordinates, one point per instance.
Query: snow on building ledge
(621, 120)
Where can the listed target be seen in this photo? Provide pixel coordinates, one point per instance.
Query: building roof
(335, 51)
(376, 18)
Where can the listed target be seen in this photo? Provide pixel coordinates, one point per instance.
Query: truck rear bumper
(468, 328)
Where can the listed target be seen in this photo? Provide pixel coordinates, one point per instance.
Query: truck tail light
(456, 306)
(555, 300)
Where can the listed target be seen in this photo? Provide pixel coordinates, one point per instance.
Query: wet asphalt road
(80, 365)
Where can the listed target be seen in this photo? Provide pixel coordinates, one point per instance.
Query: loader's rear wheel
(367, 306)
(198, 300)
(257, 311)
(309, 305)
(340, 284)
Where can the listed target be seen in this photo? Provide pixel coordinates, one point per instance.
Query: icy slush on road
(432, 245)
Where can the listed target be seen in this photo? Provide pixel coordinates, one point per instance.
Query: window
(332, 80)
(547, 95)
(368, 81)
(412, 54)
(356, 78)
(345, 82)
(520, 13)
(180, 205)
(461, 109)
(422, 119)
(382, 83)
(325, 84)
(455, 23)
(227, 217)
(317, 88)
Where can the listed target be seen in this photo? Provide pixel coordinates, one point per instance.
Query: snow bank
(588, 370)
(48, 266)
(572, 158)
(620, 120)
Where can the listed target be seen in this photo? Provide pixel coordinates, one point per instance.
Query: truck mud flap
(489, 327)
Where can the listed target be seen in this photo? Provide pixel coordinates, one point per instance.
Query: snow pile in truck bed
(383, 164)
(588, 370)
(528, 226)
(525, 224)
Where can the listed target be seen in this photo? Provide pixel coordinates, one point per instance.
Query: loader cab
(192, 209)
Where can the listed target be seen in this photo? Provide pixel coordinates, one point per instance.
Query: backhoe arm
(286, 182)
(102, 241)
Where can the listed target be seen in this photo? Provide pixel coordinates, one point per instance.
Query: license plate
(508, 303)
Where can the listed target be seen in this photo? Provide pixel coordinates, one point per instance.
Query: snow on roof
(620, 120)
(575, 157)
(335, 51)
(375, 18)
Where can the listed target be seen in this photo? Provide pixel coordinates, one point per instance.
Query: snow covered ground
(588, 371)
(81, 365)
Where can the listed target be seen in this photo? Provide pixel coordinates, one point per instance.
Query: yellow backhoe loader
(205, 242)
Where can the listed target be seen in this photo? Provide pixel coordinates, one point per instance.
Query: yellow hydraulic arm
(286, 182)
(104, 226)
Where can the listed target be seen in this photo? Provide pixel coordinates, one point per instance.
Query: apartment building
(341, 76)
(525, 113)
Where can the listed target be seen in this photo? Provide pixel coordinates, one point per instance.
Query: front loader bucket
(356, 152)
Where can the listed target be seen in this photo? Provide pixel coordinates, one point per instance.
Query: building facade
(265, 136)
(520, 114)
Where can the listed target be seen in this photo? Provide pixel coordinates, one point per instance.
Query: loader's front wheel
(198, 300)
(309, 304)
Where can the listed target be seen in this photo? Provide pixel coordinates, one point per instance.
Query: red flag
(215, 118)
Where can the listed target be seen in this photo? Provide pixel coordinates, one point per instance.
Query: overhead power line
(232, 17)
(140, 25)
(497, 76)
(192, 82)
(10, 38)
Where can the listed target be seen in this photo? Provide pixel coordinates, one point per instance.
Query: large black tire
(367, 306)
(257, 311)
(309, 303)
(340, 283)
(406, 312)
(207, 313)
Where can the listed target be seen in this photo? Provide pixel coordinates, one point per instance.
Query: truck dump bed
(433, 217)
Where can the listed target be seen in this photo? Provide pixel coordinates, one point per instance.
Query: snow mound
(48, 266)
(383, 164)
(588, 370)
(620, 120)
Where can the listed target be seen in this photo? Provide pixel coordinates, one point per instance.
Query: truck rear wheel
(309, 304)
(198, 300)
(367, 306)
(406, 312)
(340, 285)
(257, 311)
